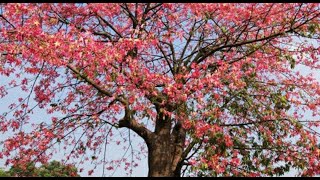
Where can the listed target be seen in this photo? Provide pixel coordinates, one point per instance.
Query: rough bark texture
(166, 149)
(165, 144)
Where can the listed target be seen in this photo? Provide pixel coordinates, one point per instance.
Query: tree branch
(255, 122)
(95, 85)
(110, 25)
(129, 122)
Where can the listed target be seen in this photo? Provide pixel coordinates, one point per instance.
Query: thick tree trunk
(165, 145)
(165, 153)
(163, 158)
(159, 157)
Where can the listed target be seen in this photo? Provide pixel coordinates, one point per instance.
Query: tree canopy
(212, 89)
(52, 169)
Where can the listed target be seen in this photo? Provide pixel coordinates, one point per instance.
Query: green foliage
(291, 60)
(19, 171)
(57, 169)
(52, 169)
(4, 173)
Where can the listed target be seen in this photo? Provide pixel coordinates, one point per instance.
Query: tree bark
(165, 152)
(159, 155)
(165, 144)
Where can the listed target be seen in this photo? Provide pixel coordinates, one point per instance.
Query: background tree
(3, 173)
(212, 89)
(52, 169)
(25, 170)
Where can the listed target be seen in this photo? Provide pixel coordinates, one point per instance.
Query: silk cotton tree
(212, 89)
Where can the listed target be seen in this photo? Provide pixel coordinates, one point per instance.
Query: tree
(52, 169)
(3, 173)
(56, 169)
(212, 89)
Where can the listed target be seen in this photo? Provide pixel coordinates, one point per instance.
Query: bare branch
(95, 85)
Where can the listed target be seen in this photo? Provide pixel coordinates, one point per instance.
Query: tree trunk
(158, 159)
(165, 152)
(162, 158)
(165, 145)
